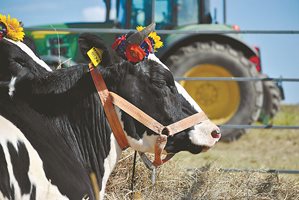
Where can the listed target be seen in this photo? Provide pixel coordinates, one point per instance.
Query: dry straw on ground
(258, 149)
(207, 182)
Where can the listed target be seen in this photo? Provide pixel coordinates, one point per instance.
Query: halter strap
(108, 107)
(151, 123)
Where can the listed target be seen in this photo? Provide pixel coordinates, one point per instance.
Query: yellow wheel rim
(218, 99)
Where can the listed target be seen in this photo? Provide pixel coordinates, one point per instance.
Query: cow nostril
(216, 134)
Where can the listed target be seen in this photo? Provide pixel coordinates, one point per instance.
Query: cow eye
(20, 62)
(160, 83)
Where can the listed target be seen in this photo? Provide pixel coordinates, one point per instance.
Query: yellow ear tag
(95, 56)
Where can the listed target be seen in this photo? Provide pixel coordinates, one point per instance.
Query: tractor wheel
(271, 102)
(225, 102)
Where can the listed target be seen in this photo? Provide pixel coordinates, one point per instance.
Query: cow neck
(110, 98)
(109, 109)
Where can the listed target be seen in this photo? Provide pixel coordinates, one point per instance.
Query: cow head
(18, 62)
(149, 85)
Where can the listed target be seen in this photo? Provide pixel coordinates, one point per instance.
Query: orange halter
(110, 98)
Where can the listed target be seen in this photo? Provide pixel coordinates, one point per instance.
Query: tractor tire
(225, 102)
(271, 102)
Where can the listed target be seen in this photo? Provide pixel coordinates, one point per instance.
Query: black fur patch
(20, 163)
(4, 176)
(33, 193)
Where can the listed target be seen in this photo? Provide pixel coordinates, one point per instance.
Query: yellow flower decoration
(139, 28)
(154, 36)
(15, 30)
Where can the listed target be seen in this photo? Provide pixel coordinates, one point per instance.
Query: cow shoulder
(47, 161)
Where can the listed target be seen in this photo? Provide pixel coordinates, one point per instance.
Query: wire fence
(165, 32)
(275, 171)
(270, 126)
(239, 79)
(244, 79)
(272, 171)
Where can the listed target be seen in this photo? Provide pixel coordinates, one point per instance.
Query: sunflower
(15, 30)
(157, 40)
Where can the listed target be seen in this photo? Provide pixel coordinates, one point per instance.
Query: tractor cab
(168, 14)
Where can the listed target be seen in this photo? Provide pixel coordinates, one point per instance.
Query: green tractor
(187, 55)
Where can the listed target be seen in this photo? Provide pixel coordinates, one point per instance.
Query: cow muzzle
(205, 135)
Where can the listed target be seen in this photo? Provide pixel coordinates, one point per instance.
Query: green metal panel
(49, 42)
(197, 27)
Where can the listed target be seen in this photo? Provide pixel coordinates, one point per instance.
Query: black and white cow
(53, 130)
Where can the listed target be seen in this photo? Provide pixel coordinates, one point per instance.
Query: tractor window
(141, 13)
(163, 13)
(187, 12)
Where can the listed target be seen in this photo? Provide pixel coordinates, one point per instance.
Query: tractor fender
(233, 41)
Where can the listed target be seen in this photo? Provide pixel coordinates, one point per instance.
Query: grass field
(258, 149)
(266, 149)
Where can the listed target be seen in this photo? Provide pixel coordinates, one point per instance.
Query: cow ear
(88, 41)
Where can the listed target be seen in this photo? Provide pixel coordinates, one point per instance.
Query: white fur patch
(201, 135)
(44, 188)
(145, 144)
(11, 86)
(2, 196)
(185, 94)
(30, 53)
(110, 162)
(153, 57)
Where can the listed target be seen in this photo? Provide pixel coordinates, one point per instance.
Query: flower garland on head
(154, 37)
(134, 52)
(11, 28)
